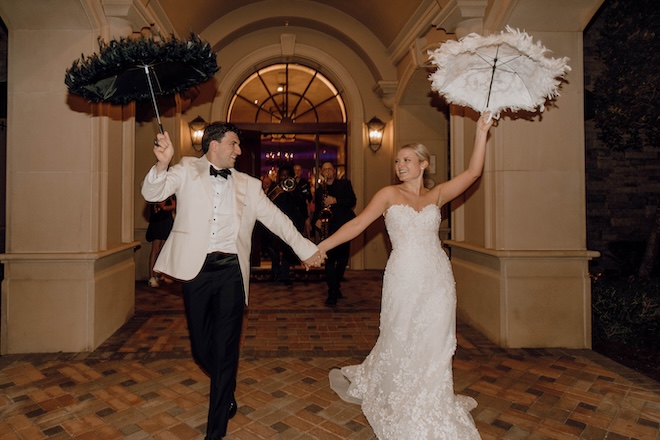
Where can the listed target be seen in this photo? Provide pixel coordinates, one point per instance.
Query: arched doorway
(289, 114)
(299, 115)
(334, 69)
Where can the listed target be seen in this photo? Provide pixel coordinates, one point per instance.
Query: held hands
(163, 150)
(315, 260)
(323, 249)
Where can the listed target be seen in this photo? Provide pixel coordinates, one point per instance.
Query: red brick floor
(142, 384)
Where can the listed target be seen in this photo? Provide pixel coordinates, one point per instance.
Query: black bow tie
(223, 172)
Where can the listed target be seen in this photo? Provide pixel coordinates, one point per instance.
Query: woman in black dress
(161, 219)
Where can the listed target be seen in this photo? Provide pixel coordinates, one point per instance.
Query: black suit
(342, 212)
(281, 255)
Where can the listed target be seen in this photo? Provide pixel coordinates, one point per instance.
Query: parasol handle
(153, 98)
(492, 77)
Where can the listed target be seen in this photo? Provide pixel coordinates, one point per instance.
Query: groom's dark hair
(215, 131)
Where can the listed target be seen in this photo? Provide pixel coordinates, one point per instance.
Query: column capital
(386, 91)
(461, 17)
(126, 16)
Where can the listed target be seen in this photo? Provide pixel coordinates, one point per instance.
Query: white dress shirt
(223, 227)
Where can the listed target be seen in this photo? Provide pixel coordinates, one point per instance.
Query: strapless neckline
(402, 205)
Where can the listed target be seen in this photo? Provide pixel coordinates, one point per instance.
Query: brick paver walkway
(142, 384)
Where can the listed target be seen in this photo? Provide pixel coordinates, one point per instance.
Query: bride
(405, 385)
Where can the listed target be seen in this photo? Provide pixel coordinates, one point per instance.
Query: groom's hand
(314, 261)
(163, 150)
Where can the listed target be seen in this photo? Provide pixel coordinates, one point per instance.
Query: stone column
(519, 244)
(69, 276)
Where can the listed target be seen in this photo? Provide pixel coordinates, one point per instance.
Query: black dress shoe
(331, 301)
(339, 295)
(233, 408)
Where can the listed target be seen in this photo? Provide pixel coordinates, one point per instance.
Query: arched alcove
(300, 115)
(344, 81)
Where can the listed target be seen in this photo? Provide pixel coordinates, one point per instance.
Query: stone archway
(336, 72)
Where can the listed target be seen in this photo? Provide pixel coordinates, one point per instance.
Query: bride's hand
(485, 121)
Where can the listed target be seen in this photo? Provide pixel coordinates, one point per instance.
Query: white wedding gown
(405, 385)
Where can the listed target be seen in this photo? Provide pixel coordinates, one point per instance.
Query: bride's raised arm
(453, 188)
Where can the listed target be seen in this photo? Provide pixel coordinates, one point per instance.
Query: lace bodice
(410, 229)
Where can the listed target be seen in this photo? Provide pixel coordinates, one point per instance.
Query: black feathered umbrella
(125, 70)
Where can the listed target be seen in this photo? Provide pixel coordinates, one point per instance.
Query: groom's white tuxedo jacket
(185, 249)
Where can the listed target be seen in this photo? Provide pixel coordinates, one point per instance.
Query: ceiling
(384, 18)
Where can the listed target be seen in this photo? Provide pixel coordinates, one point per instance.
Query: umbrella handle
(153, 98)
(491, 115)
(492, 76)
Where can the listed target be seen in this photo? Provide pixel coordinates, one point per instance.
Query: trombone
(286, 185)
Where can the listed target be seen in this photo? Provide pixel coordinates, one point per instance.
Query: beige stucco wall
(69, 268)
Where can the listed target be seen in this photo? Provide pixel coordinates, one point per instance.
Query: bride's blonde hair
(422, 153)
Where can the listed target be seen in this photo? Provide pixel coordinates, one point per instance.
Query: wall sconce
(197, 127)
(376, 127)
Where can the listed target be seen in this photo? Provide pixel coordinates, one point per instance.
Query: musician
(334, 202)
(301, 183)
(303, 187)
(286, 195)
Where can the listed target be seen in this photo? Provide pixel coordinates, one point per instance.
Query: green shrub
(626, 311)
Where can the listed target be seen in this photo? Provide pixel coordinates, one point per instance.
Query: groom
(209, 250)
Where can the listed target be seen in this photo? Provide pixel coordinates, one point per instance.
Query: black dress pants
(282, 258)
(335, 268)
(214, 302)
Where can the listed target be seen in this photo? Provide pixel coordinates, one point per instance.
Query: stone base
(65, 302)
(525, 298)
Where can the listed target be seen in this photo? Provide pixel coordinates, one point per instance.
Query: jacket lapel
(240, 189)
(202, 166)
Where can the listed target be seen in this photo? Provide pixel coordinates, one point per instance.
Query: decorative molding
(288, 42)
(161, 23)
(419, 53)
(417, 26)
(133, 12)
(386, 91)
(500, 14)
(458, 11)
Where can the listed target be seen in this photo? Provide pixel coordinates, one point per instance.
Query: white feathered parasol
(498, 72)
